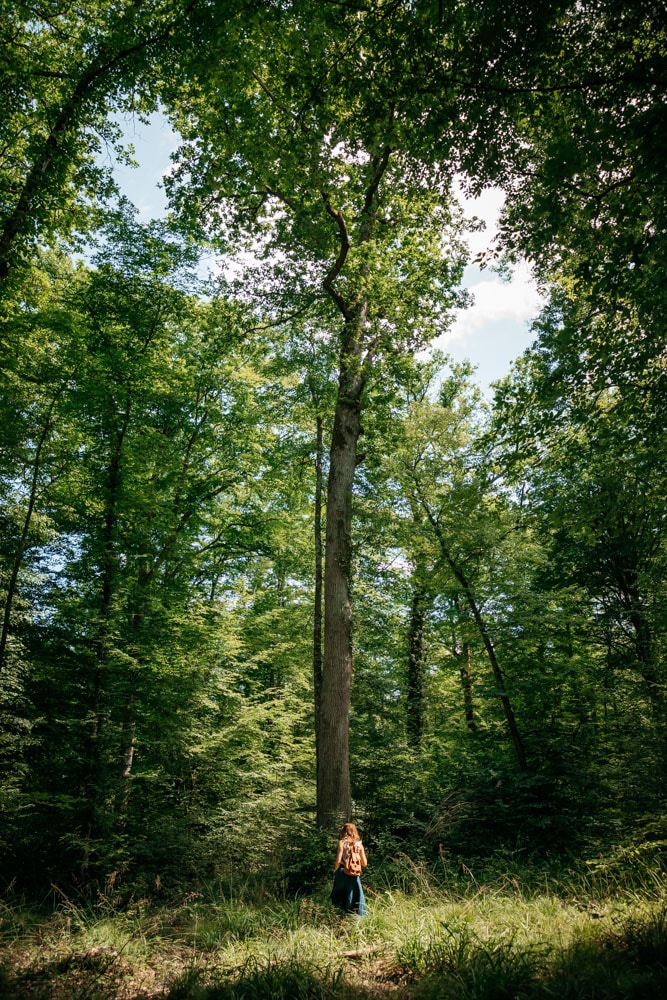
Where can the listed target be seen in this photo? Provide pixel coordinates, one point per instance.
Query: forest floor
(501, 941)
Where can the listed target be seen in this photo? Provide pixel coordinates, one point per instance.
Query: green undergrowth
(478, 935)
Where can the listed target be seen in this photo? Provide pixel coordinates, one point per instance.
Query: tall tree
(348, 217)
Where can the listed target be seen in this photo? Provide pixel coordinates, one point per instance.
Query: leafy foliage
(165, 444)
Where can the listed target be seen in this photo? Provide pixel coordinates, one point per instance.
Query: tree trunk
(319, 583)
(22, 546)
(334, 803)
(466, 685)
(127, 756)
(416, 667)
(334, 800)
(93, 766)
(515, 735)
(463, 653)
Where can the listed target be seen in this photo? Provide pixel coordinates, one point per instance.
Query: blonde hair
(348, 831)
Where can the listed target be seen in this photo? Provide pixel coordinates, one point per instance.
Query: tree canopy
(267, 561)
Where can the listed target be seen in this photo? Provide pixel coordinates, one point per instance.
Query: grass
(508, 937)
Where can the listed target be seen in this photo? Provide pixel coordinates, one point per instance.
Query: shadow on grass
(257, 981)
(627, 964)
(96, 974)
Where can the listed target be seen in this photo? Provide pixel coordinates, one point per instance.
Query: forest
(270, 562)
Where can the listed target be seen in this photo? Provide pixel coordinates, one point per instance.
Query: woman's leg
(359, 900)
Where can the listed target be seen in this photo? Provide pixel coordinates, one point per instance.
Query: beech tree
(125, 513)
(63, 70)
(356, 223)
(340, 170)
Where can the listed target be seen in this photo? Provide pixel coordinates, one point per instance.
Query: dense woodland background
(169, 677)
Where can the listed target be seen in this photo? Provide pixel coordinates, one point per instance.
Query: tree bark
(319, 586)
(127, 756)
(334, 802)
(466, 686)
(416, 667)
(515, 735)
(22, 546)
(463, 653)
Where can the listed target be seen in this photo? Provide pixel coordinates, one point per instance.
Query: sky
(491, 333)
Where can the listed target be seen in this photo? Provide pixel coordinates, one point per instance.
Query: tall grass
(492, 933)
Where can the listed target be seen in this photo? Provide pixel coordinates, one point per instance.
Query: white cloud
(495, 300)
(487, 207)
(495, 329)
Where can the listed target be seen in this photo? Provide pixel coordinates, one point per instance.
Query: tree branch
(339, 263)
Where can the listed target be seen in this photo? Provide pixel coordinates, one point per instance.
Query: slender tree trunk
(515, 735)
(463, 653)
(466, 686)
(319, 585)
(416, 667)
(127, 755)
(22, 545)
(468, 593)
(93, 768)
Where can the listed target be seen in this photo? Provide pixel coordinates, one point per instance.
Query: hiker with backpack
(347, 893)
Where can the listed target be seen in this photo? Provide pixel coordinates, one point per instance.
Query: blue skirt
(347, 893)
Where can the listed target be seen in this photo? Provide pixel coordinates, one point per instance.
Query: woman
(347, 893)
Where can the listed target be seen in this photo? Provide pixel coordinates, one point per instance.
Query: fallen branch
(359, 952)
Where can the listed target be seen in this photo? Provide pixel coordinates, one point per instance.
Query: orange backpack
(352, 858)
